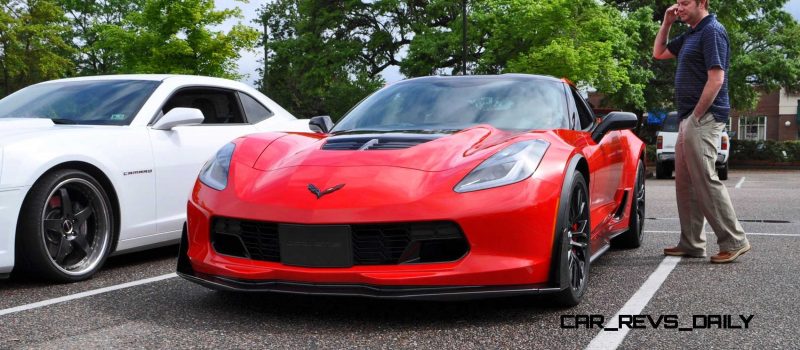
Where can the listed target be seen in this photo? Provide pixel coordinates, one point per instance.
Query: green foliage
(772, 151)
(650, 153)
(89, 18)
(176, 37)
(32, 46)
(587, 42)
(324, 57)
(765, 52)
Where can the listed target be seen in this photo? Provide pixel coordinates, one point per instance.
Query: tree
(176, 37)
(32, 48)
(765, 52)
(586, 42)
(323, 56)
(89, 18)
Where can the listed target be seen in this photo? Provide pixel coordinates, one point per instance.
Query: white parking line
(85, 294)
(747, 233)
(635, 305)
(741, 181)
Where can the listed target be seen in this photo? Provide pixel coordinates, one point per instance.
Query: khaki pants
(699, 191)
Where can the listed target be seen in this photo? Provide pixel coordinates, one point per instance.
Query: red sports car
(435, 187)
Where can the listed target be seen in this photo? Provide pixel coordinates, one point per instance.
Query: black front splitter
(370, 291)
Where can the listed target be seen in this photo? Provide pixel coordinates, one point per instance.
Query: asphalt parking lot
(760, 287)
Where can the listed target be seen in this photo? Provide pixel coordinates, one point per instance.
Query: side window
(571, 109)
(253, 109)
(584, 112)
(219, 106)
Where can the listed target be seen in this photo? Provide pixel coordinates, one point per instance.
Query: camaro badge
(319, 194)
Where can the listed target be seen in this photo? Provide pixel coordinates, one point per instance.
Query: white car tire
(66, 227)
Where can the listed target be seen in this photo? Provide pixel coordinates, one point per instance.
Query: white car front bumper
(10, 202)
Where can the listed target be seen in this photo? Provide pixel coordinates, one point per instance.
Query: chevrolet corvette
(430, 188)
(96, 166)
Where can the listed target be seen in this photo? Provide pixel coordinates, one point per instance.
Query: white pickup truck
(665, 149)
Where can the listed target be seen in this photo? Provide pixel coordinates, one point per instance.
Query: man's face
(690, 11)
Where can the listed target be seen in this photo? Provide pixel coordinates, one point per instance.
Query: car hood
(420, 151)
(16, 129)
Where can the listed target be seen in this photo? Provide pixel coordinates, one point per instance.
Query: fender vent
(376, 142)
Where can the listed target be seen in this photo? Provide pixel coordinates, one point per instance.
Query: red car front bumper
(509, 230)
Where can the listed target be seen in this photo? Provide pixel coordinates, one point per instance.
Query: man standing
(701, 95)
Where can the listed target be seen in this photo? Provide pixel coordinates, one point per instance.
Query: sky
(249, 61)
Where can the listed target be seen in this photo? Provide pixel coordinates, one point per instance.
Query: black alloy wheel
(722, 172)
(65, 229)
(576, 253)
(632, 238)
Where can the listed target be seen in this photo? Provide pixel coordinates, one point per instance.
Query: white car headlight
(513, 164)
(215, 173)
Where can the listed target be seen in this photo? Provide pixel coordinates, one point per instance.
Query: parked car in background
(100, 165)
(665, 149)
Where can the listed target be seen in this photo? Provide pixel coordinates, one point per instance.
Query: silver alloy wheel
(76, 227)
(577, 232)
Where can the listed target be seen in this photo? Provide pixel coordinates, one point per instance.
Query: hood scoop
(376, 142)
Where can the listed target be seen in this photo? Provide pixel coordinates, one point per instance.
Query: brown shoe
(731, 255)
(675, 251)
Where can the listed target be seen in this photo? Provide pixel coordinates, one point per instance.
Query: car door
(181, 152)
(605, 160)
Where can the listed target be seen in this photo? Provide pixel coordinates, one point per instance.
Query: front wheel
(574, 260)
(65, 229)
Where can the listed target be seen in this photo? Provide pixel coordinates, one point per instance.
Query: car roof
(176, 78)
(143, 77)
(513, 76)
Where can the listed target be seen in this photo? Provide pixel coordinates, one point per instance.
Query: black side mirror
(321, 124)
(614, 121)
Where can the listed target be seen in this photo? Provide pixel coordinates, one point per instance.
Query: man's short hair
(699, 2)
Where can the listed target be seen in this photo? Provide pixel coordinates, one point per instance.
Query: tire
(663, 171)
(575, 243)
(632, 238)
(722, 172)
(65, 228)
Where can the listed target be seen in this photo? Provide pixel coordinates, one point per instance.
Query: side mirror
(321, 124)
(179, 116)
(614, 121)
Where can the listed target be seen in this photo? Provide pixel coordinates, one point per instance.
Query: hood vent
(376, 142)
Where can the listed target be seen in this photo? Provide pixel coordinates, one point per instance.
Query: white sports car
(101, 165)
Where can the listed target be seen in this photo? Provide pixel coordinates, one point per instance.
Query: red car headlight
(215, 173)
(513, 164)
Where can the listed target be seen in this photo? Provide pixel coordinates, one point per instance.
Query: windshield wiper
(63, 121)
(401, 131)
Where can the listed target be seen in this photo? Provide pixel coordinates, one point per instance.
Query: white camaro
(91, 166)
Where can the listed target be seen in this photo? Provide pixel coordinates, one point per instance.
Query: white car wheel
(65, 228)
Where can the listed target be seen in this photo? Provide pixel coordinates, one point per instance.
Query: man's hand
(671, 15)
(660, 51)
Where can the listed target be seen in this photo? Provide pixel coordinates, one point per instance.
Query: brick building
(775, 118)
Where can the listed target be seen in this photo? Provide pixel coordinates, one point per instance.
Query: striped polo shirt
(699, 50)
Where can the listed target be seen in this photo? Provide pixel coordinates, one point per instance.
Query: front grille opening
(373, 244)
(229, 245)
(389, 244)
(442, 250)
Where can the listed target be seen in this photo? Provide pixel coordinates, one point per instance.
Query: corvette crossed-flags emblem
(319, 193)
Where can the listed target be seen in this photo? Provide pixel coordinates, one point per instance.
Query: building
(775, 118)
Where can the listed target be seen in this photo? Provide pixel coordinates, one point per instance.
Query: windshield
(456, 103)
(671, 123)
(98, 102)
